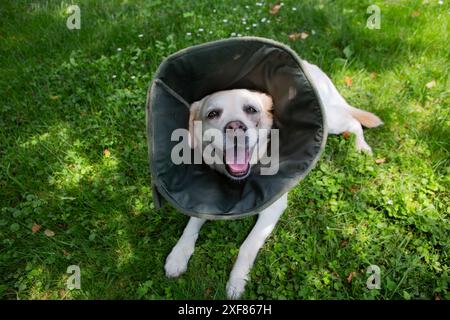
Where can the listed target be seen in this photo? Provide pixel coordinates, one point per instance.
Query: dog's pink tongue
(237, 168)
(239, 163)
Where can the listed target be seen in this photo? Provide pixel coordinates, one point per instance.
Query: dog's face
(238, 115)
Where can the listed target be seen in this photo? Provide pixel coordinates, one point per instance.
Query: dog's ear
(267, 102)
(193, 116)
(267, 108)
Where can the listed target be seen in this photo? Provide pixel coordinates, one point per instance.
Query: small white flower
(259, 4)
(441, 2)
(313, 32)
(214, 10)
(114, 76)
(210, 32)
(247, 28)
(188, 34)
(282, 4)
(263, 20)
(247, 7)
(201, 30)
(133, 77)
(244, 22)
(119, 49)
(233, 34)
(141, 35)
(390, 202)
(225, 20)
(294, 9)
(268, 21)
(234, 9)
(239, 35)
(254, 25)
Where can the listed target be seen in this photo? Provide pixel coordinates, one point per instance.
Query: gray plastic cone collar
(252, 63)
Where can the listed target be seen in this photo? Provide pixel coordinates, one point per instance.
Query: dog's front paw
(235, 288)
(176, 262)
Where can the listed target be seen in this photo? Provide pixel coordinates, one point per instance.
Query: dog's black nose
(236, 125)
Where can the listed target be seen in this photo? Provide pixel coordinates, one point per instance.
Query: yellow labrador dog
(242, 111)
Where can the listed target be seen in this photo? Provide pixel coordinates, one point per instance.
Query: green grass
(66, 96)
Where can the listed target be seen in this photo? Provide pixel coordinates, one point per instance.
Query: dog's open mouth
(237, 162)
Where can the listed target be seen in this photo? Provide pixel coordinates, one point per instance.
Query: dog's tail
(366, 118)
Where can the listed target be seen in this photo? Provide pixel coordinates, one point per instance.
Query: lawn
(74, 178)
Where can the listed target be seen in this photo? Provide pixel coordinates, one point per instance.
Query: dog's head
(238, 115)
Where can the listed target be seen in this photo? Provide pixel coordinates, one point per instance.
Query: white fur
(267, 220)
(176, 262)
(338, 112)
(339, 119)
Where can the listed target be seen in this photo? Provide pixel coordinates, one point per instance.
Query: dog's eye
(213, 114)
(249, 109)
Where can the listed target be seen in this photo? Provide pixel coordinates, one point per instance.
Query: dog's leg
(354, 126)
(176, 262)
(340, 115)
(267, 220)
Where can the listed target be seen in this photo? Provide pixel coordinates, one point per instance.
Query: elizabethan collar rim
(247, 62)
